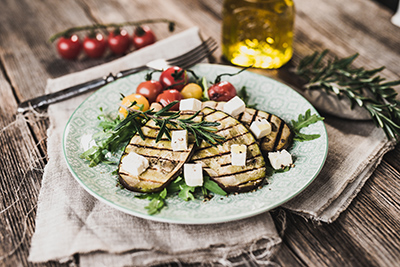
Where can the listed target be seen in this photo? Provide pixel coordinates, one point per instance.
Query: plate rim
(197, 221)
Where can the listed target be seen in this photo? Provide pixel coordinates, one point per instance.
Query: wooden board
(364, 235)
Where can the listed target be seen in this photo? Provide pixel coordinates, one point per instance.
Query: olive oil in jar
(258, 32)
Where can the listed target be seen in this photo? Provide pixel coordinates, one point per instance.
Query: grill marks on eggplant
(281, 136)
(164, 163)
(216, 161)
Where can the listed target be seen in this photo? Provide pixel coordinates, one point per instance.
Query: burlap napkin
(70, 221)
(355, 149)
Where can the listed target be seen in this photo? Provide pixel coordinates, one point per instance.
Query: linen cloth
(71, 221)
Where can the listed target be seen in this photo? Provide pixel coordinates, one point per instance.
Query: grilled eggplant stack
(164, 163)
(216, 160)
(281, 136)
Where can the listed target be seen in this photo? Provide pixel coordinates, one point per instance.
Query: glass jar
(258, 32)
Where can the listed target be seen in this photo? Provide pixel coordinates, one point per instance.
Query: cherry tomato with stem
(143, 36)
(119, 41)
(174, 77)
(150, 89)
(168, 96)
(69, 47)
(94, 46)
(223, 90)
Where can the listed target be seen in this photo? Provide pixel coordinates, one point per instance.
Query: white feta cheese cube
(192, 104)
(193, 174)
(179, 140)
(238, 155)
(235, 106)
(260, 128)
(134, 164)
(280, 159)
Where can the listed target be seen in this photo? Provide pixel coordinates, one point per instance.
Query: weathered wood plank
(21, 171)
(365, 235)
(327, 25)
(393, 158)
(26, 55)
(20, 175)
(28, 61)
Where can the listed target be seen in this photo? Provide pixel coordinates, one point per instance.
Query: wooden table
(366, 234)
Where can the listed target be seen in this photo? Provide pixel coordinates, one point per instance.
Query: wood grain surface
(366, 234)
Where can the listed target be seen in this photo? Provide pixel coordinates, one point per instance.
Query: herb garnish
(362, 87)
(302, 122)
(185, 192)
(109, 140)
(165, 119)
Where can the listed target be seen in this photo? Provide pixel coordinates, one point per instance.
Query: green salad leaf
(109, 140)
(185, 192)
(304, 121)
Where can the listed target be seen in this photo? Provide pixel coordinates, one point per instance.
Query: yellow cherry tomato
(192, 90)
(128, 100)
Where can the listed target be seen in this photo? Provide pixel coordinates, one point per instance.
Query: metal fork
(184, 61)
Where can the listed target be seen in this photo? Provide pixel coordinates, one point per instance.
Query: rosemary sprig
(167, 120)
(362, 87)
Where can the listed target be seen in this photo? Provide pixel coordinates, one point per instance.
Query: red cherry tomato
(149, 89)
(169, 96)
(143, 36)
(94, 47)
(221, 91)
(69, 48)
(174, 77)
(119, 42)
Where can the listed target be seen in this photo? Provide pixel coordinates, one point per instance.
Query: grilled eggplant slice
(216, 160)
(164, 163)
(281, 136)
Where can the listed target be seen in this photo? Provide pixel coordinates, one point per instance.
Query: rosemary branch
(362, 87)
(167, 120)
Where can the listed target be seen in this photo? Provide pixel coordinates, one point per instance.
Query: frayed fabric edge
(258, 252)
(318, 218)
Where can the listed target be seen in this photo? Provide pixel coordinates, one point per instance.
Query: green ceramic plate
(268, 94)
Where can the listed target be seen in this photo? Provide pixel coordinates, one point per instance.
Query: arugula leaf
(111, 138)
(157, 201)
(186, 192)
(304, 121)
(213, 186)
(155, 205)
(175, 185)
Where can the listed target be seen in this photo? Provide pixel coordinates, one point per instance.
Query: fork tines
(195, 55)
